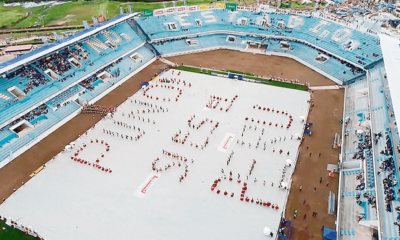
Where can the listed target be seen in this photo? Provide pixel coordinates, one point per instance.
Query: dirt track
(325, 115)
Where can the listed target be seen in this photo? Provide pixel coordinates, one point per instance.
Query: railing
(341, 183)
(378, 205)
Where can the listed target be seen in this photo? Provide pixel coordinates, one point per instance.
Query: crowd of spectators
(78, 52)
(42, 109)
(390, 181)
(35, 78)
(88, 83)
(57, 62)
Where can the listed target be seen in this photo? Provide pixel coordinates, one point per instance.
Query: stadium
(216, 121)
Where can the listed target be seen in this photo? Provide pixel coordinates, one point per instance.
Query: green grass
(12, 233)
(36, 33)
(11, 15)
(281, 84)
(263, 81)
(296, 5)
(140, 6)
(198, 70)
(238, 72)
(68, 14)
(73, 13)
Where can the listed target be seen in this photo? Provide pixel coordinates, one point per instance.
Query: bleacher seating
(380, 125)
(64, 96)
(37, 85)
(368, 52)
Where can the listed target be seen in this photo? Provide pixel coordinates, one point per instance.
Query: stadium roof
(391, 57)
(18, 48)
(30, 56)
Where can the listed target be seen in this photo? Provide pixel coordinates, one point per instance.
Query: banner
(146, 185)
(170, 10)
(226, 142)
(219, 6)
(231, 6)
(159, 12)
(203, 7)
(147, 13)
(181, 9)
(193, 8)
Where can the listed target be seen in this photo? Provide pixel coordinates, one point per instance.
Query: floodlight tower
(316, 6)
(95, 22)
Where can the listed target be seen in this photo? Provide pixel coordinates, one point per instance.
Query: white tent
(288, 161)
(302, 118)
(284, 185)
(267, 231)
(366, 124)
(67, 148)
(359, 131)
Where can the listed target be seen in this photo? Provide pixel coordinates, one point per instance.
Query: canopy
(267, 231)
(144, 84)
(329, 234)
(68, 148)
(390, 50)
(288, 161)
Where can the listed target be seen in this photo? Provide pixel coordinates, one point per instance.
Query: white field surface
(69, 200)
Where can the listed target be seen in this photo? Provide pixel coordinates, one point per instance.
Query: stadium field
(324, 115)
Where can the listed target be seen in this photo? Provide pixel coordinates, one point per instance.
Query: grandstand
(47, 87)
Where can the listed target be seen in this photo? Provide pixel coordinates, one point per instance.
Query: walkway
(167, 62)
(325, 87)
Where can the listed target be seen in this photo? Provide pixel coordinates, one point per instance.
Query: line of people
(181, 161)
(127, 137)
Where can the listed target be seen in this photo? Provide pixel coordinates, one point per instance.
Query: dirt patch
(325, 114)
(254, 63)
(61, 23)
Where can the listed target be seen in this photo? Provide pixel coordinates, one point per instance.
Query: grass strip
(262, 80)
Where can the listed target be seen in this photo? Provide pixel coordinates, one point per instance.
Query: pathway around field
(324, 87)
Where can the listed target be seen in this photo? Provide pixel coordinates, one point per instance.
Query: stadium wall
(69, 117)
(201, 50)
(256, 35)
(308, 65)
